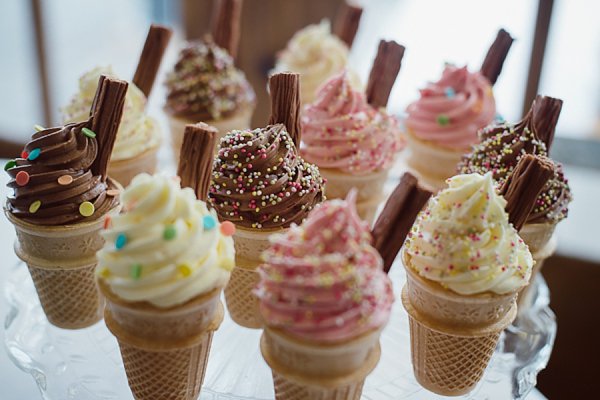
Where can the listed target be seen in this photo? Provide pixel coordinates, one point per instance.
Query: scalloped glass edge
(86, 364)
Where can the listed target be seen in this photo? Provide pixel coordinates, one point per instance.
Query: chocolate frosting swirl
(205, 85)
(502, 146)
(260, 181)
(63, 151)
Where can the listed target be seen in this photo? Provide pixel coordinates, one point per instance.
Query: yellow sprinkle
(185, 270)
(105, 272)
(228, 264)
(86, 208)
(35, 206)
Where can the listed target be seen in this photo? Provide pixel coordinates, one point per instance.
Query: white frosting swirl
(141, 261)
(137, 131)
(464, 241)
(316, 54)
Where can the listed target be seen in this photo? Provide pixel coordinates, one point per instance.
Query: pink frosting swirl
(323, 280)
(341, 130)
(452, 110)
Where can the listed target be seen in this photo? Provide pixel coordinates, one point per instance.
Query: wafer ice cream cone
(61, 194)
(164, 265)
(124, 170)
(465, 265)
(324, 300)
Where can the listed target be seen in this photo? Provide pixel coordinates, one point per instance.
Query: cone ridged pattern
(77, 304)
(286, 389)
(175, 375)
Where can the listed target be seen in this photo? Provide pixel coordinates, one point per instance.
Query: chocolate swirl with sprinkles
(260, 181)
(502, 147)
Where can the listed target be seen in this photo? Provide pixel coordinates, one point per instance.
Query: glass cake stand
(86, 363)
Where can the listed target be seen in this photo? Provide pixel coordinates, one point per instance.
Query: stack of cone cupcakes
(205, 86)
(443, 123)
(324, 297)
(165, 264)
(61, 194)
(263, 186)
(349, 135)
(465, 265)
(139, 137)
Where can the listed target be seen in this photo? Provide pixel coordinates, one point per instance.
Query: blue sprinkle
(34, 154)
(209, 222)
(121, 240)
(449, 92)
(499, 118)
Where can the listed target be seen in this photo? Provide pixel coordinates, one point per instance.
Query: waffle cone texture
(321, 371)
(241, 303)
(369, 186)
(61, 261)
(123, 171)
(165, 351)
(452, 336)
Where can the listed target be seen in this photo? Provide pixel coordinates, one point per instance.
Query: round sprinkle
(38, 127)
(107, 222)
(86, 209)
(169, 232)
(185, 270)
(112, 192)
(22, 178)
(136, 271)
(499, 118)
(209, 222)
(450, 92)
(227, 228)
(88, 132)
(35, 153)
(228, 264)
(24, 154)
(443, 120)
(65, 180)
(121, 241)
(35, 206)
(105, 272)
(9, 165)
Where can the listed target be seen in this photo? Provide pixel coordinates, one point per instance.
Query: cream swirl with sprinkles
(260, 181)
(166, 247)
(463, 240)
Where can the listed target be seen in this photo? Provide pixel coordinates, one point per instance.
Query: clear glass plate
(86, 363)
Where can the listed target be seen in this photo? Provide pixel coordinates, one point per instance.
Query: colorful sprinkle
(107, 222)
(105, 272)
(450, 92)
(227, 228)
(9, 165)
(185, 270)
(113, 192)
(35, 206)
(24, 154)
(88, 132)
(209, 222)
(136, 271)
(35, 153)
(499, 118)
(169, 232)
(86, 209)
(443, 120)
(38, 128)
(121, 241)
(22, 178)
(65, 180)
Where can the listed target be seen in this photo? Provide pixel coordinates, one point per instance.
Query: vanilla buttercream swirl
(463, 240)
(137, 132)
(451, 111)
(205, 84)
(316, 54)
(341, 130)
(323, 280)
(166, 247)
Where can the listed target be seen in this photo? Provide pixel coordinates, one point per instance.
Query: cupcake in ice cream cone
(164, 265)
(324, 300)
(61, 194)
(465, 265)
(139, 136)
(443, 123)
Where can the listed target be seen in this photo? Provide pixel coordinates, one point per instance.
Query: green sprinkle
(88, 132)
(136, 271)
(9, 165)
(38, 127)
(169, 232)
(443, 120)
